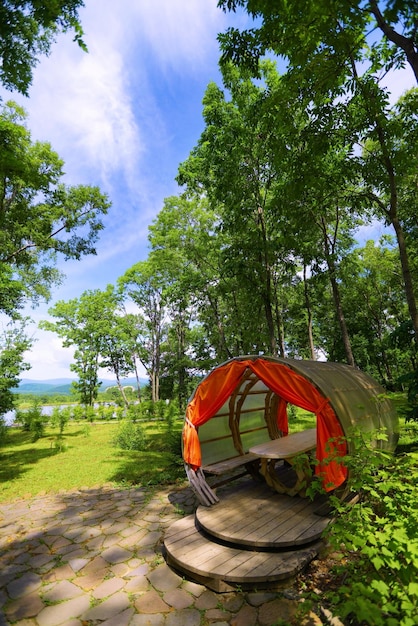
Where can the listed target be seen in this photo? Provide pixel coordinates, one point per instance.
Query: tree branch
(406, 44)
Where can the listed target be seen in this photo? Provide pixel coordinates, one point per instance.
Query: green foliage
(134, 412)
(130, 436)
(13, 343)
(40, 218)
(32, 420)
(60, 418)
(379, 536)
(28, 30)
(3, 432)
(411, 411)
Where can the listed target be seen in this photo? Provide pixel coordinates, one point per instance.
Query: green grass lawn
(85, 458)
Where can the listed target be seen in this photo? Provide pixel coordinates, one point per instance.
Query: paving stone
(114, 529)
(217, 614)
(137, 584)
(98, 563)
(77, 564)
(111, 540)
(232, 602)
(27, 583)
(147, 620)
(116, 555)
(62, 613)
(140, 570)
(131, 529)
(90, 581)
(120, 570)
(194, 588)
(117, 603)
(164, 579)
(150, 539)
(61, 542)
(259, 598)
(208, 600)
(246, 616)
(64, 590)
(150, 603)
(133, 540)
(178, 598)
(40, 560)
(186, 617)
(27, 606)
(121, 619)
(108, 587)
(60, 573)
(279, 609)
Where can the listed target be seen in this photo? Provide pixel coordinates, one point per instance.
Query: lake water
(47, 409)
(9, 417)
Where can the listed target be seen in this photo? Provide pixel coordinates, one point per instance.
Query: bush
(60, 418)
(379, 537)
(134, 412)
(32, 420)
(130, 436)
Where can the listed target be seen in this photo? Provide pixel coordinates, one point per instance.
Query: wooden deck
(253, 538)
(257, 517)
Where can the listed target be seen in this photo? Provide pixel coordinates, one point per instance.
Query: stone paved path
(94, 556)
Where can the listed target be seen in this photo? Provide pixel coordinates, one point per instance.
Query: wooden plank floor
(216, 565)
(253, 537)
(253, 515)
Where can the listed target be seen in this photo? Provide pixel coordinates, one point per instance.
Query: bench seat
(222, 467)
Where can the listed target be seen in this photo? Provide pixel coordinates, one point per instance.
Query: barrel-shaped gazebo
(246, 399)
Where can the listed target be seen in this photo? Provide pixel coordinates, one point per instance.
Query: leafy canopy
(27, 29)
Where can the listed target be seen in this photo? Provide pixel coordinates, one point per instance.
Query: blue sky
(123, 117)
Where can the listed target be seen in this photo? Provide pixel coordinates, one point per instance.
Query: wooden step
(253, 515)
(223, 568)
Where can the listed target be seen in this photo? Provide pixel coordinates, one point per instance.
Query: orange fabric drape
(282, 421)
(218, 386)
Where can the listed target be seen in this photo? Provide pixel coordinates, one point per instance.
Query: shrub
(134, 412)
(130, 436)
(32, 420)
(379, 535)
(60, 418)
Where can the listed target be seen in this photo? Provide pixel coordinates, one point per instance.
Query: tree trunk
(138, 382)
(405, 44)
(309, 312)
(267, 292)
(121, 389)
(406, 274)
(332, 272)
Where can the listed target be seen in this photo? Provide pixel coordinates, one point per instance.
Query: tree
(144, 285)
(234, 164)
(313, 35)
(13, 344)
(41, 219)
(27, 30)
(118, 337)
(332, 57)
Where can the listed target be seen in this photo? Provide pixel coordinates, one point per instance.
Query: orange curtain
(218, 386)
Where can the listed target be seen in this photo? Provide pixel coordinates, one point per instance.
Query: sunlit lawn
(86, 457)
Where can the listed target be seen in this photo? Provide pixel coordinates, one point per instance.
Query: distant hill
(63, 385)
